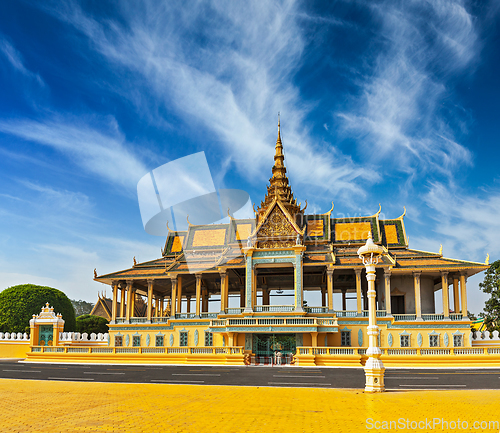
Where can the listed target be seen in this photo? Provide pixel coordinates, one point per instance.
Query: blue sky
(391, 102)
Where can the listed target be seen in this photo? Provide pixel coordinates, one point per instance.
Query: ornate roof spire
(279, 186)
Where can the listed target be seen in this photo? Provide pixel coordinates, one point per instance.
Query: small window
(405, 340)
(183, 338)
(136, 340)
(159, 341)
(434, 340)
(209, 339)
(345, 338)
(458, 341)
(118, 341)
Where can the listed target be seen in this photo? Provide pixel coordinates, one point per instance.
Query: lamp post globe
(370, 254)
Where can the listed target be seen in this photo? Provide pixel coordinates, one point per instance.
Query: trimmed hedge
(89, 324)
(19, 303)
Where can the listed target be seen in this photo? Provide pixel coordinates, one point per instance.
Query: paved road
(316, 377)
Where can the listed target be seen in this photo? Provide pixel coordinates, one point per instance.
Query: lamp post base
(374, 374)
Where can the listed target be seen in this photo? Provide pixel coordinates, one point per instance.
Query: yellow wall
(13, 350)
(217, 337)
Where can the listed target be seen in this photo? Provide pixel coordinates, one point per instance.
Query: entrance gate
(274, 348)
(45, 335)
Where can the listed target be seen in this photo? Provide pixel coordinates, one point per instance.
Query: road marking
(181, 381)
(25, 371)
(97, 372)
(435, 385)
(289, 375)
(409, 377)
(194, 374)
(52, 368)
(223, 371)
(123, 369)
(296, 383)
(70, 378)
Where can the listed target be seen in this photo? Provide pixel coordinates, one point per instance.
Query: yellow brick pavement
(50, 406)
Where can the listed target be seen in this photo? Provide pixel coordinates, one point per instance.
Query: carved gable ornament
(277, 230)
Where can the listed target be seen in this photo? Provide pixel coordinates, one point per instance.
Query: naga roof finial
(330, 211)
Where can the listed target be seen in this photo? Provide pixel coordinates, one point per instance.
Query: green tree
(90, 324)
(471, 316)
(491, 285)
(19, 303)
(82, 307)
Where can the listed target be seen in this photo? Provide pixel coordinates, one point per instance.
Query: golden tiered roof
(279, 186)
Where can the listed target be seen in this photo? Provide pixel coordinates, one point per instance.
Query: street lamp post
(374, 368)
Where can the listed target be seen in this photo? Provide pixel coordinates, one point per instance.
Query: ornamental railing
(273, 308)
(276, 321)
(185, 315)
(13, 336)
(405, 317)
(232, 310)
(236, 350)
(160, 319)
(346, 313)
(319, 310)
(379, 313)
(426, 317)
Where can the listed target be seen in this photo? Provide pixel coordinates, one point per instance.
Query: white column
(418, 299)
(358, 292)
(446, 300)
(387, 280)
(463, 289)
(150, 299)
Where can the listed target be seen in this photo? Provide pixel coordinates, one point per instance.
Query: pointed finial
(441, 250)
(330, 211)
(278, 141)
(95, 273)
(135, 262)
(370, 235)
(487, 261)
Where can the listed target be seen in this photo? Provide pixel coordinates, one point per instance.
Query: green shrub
(90, 324)
(19, 303)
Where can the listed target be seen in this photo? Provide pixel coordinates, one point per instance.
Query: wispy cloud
(225, 73)
(101, 151)
(398, 116)
(60, 200)
(16, 60)
(469, 223)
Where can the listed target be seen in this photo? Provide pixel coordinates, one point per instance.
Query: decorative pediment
(277, 228)
(276, 224)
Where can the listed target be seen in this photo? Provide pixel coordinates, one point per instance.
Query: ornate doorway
(45, 335)
(274, 348)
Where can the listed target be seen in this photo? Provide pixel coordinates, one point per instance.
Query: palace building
(213, 296)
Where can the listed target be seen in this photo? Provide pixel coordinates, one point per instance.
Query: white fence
(77, 338)
(14, 337)
(486, 338)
